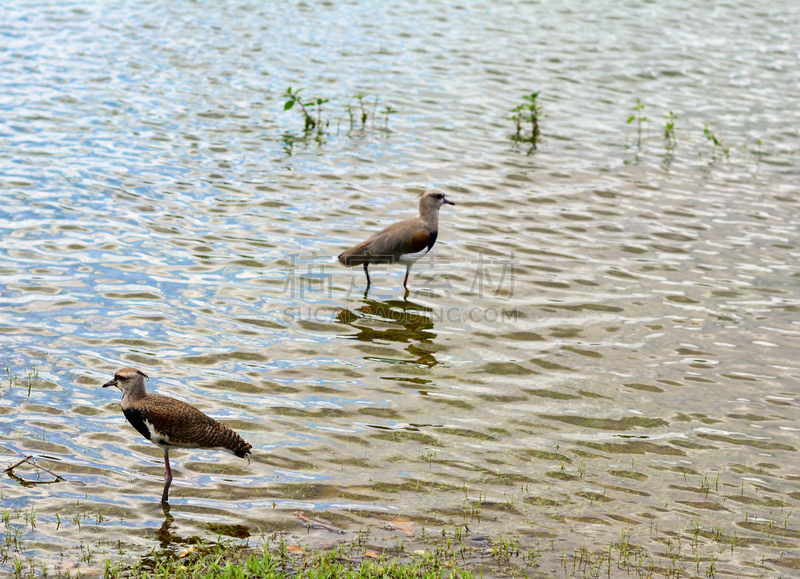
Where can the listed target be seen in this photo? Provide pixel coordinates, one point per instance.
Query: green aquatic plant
(504, 549)
(758, 153)
(717, 143)
(639, 118)
(364, 115)
(311, 111)
(32, 375)
(387, 110)
(294, 99)
(318, 102)
(527, 112)
(30, 518)
(304, 107)
(669, 131)
(533, 109)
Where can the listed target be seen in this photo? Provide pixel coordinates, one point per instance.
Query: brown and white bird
(404, 242)
(170, 423)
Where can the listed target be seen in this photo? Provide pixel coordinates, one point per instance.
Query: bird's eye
(439, 196)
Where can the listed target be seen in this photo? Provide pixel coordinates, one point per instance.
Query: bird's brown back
(386, 246)
(182, 424)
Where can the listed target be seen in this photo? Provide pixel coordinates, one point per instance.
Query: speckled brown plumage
(179, 424)
(170, 423)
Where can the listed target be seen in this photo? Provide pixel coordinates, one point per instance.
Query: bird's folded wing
(386, 246)
(178, 422)
(394, 245)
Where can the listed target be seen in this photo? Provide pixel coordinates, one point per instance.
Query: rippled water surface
(603, 344)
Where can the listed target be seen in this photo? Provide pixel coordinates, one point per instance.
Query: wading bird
(404, 242)
(170, 423)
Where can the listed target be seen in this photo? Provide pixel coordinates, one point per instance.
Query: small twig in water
(26, 459)
(16, 464)
(312, 524)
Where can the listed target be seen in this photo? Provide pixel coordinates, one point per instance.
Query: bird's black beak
(447, 201)
(110, 383)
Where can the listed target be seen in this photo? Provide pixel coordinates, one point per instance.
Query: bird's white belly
(412, 257)
(156, 437)
(162, 440)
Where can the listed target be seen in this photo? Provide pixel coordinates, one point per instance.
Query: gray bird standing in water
(404, 242)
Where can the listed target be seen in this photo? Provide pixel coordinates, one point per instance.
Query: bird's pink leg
(167, 477)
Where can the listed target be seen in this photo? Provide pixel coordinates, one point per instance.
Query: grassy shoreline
(236, 561)
(458, 553)
(443, 557)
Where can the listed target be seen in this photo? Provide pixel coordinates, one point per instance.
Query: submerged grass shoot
(716, 143)
(364, 115)
(311, 111)
(669, 131)
(387, 110)
(639, 118)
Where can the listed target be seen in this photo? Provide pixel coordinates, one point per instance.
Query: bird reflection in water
(167, 537)
(416, 321)
(164, 534)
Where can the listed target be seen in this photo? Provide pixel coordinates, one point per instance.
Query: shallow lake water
(601, 348)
